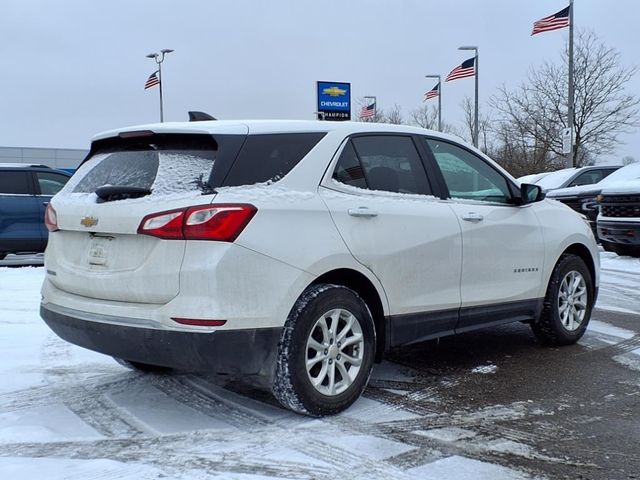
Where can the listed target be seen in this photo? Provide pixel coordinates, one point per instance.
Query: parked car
(532, 178)
(619, 218)
(572, 177)
(25, 191)
(583, 198)
(302, 251)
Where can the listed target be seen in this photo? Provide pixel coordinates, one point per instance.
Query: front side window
(50, 183)
(15, 183)
(467, 176)
(382, 162)
(587, 178)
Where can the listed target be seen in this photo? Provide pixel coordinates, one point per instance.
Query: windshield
(556, 179)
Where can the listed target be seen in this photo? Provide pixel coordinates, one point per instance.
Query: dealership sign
(334, 100)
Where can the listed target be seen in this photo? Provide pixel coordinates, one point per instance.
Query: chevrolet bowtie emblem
(89, 222)
(334, 91)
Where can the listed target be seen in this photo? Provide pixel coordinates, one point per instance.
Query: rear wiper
(110, 193)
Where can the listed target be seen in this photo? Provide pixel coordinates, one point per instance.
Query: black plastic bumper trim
(617, 232)
(234, 352)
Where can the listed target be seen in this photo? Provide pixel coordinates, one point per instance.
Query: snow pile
(485, 369)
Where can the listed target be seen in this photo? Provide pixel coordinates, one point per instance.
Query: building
(61, 158)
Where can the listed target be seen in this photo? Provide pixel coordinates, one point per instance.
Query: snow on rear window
(163, 172)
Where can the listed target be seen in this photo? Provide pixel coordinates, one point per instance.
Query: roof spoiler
(200, 117)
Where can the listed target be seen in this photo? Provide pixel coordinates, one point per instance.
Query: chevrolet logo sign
(89, 222)
(334, 91)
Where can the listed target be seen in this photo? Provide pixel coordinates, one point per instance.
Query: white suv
(301, 251)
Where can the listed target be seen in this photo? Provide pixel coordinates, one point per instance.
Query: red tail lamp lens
(51, 219)
(218, 222)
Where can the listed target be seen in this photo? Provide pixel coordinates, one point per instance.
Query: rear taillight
(219, 222)
(51, 219)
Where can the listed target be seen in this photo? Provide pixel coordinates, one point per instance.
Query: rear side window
(50, 183)
(388, 163)
(269, 157)
(15, 183)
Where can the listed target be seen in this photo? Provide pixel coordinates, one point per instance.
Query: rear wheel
(142, 367)
(567, 304)
(326, 351)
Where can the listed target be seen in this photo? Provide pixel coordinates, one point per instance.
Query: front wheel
(567, 304)
(326, 351)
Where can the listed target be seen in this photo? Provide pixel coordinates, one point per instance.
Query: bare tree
(394, 116)
(628, 160)
(469, 121)
(603, 108)
(425, 117)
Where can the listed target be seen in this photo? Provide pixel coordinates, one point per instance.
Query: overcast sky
(73, 68)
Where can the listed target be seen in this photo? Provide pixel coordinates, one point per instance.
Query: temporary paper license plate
(99, 250)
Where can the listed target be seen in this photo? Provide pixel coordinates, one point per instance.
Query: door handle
(472, 217)
(362, 212)
(45, 203)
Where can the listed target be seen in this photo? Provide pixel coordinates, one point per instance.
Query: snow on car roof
(240, 127)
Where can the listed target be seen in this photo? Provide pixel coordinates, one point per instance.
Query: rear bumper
(234, 352)
(626, 233)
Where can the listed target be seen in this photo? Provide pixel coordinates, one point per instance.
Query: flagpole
(439, 77)
(160, 85)
(476, 136)
(159, 58)
(571, 160)
(475, 126)
(439, 104)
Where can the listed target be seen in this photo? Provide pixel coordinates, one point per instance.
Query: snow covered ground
(68, 413)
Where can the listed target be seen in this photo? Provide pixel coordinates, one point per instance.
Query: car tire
(142, 367)
(567, 304)
(328, 326)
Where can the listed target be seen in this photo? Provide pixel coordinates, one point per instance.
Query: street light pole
(476, 126)
(439, 99)
(570, 100)
(159, 58)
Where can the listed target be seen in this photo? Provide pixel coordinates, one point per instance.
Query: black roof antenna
(200, 117)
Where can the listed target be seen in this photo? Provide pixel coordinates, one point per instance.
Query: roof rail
(200, 117)
(19, 164)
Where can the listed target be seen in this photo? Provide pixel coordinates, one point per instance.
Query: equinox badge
(89, 222)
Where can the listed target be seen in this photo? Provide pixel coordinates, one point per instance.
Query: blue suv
(25, 191)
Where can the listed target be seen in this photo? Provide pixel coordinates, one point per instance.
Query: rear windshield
(162, 172)
(269, 157)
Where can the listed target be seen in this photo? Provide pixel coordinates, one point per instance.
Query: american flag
(552, 22)
(434, 92)
(368, 111)
(152, 81)
(466, 69)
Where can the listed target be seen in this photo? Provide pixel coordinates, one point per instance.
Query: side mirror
(531, 193)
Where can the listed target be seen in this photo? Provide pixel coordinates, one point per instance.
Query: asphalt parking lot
(491, 404)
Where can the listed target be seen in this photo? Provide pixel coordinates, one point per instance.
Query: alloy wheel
(334, 352)
(572, 300)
